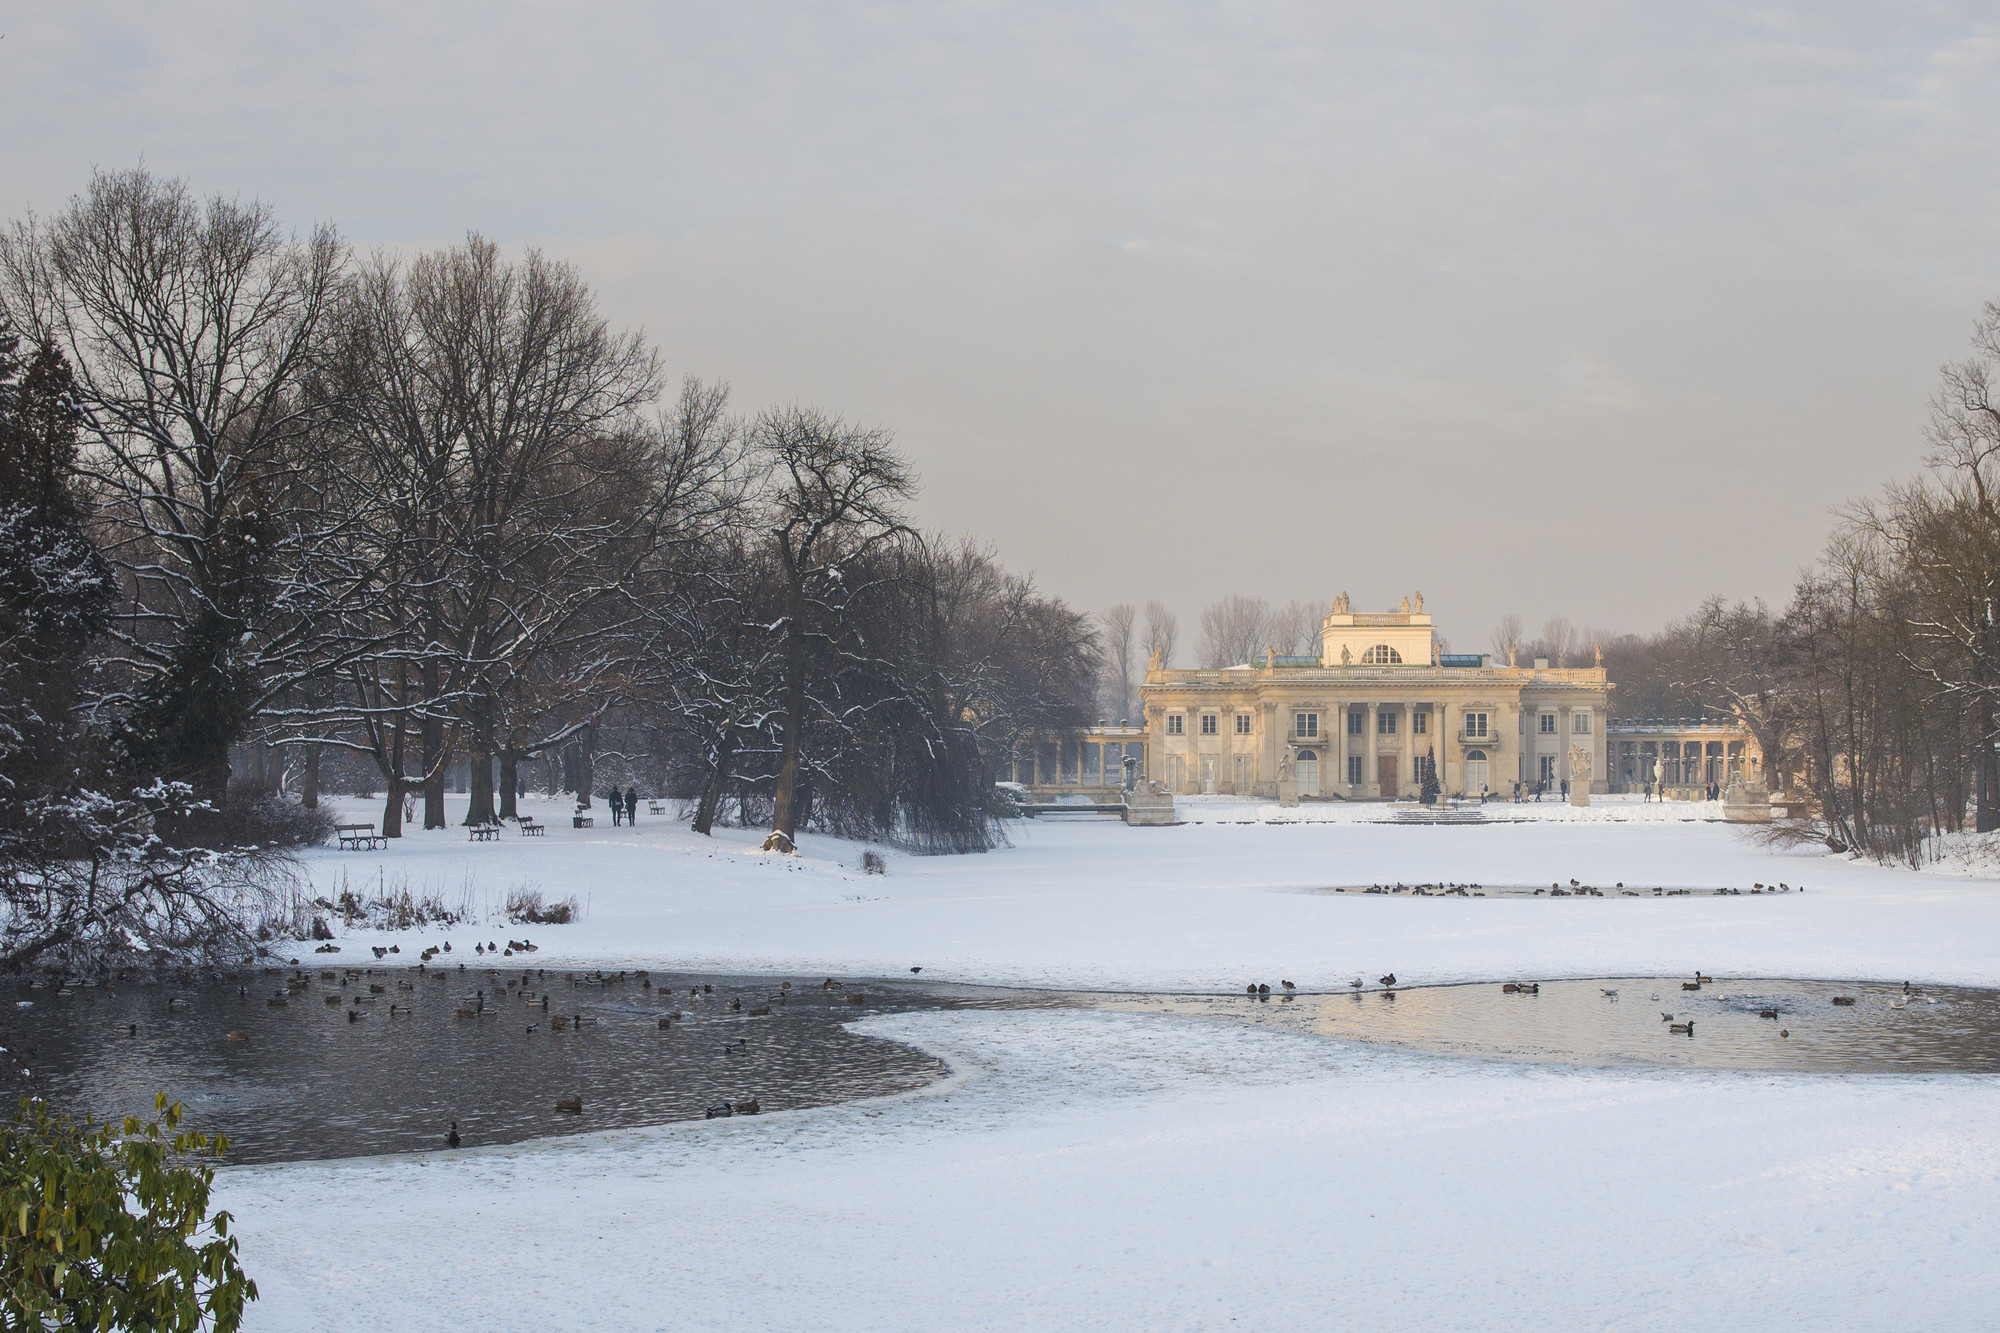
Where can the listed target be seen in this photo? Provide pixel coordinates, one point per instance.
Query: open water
(300, 1063)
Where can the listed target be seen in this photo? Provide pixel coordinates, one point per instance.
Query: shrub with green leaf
(101, 1227)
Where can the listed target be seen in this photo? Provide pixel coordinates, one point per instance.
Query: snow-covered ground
(1088, 902)
(1087, 1170)
(1102, 1171)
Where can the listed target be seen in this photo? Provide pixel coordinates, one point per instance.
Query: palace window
(1243, 724)
(1354, 770)
(1385, 723)
(1548, 724)
(1208, 724)
(1305, 724)
(1474, 724)
(1176, 725)
(1580, 723)
(1420, 724)
(1354, 720)
(1381, 655)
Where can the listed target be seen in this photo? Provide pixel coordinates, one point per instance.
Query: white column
(1408, 769)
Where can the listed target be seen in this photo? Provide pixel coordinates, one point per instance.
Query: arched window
(1382, 655)
(1475, 772)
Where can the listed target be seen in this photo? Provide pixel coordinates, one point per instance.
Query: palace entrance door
(1385, 773)
(1475, 772)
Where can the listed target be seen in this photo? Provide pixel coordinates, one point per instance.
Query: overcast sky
(1584, 309)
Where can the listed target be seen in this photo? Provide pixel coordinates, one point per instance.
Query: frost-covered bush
(525, 907)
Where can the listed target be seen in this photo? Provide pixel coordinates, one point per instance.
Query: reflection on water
(1630, 1022)
(303, 1080)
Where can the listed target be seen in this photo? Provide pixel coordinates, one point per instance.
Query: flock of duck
(360, 990)
(1676, 1025)
(1574, 889)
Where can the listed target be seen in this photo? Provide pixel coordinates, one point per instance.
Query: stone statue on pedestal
(1579, 775)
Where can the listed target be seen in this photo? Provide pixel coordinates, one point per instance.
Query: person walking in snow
(617, 805)
(632, 805)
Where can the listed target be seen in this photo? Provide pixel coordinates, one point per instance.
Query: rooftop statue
(1346, 657)
(1600, 654)
(1153, 662)
(1406, 606)
(1420, 602)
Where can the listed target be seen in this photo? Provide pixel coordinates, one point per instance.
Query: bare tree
(498, 413)
(1233, 630)
(1559, 640)
(190, 327)
(837, 493)
(1118, 624)
(1295, 628)
(1163, 630)
(1507, 638)
(1945, 529)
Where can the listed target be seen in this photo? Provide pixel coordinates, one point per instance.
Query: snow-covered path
(1091, 1170)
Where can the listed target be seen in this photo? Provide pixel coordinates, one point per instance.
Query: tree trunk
(586, 767)
(432, 754)
(510, 779)
(782, 813)
(309, 778)
(711, 790)
(479, 788)
(392, 809)
(1988, 816)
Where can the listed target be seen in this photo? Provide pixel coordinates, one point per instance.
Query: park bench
(360, 837)
(653, 807)
(481, 832)
(532, 827)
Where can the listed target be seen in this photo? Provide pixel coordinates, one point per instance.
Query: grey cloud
(1556, 308)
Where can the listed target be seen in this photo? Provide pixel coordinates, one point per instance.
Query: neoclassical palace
(1356, 721)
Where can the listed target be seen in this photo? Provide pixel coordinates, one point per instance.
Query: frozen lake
(357, 1062)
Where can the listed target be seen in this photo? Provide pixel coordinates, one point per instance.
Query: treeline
(1875, 693)
(430, 514)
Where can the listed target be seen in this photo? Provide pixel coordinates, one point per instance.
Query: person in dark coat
(617, 807)
(632, 805)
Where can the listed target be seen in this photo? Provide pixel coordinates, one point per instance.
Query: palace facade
(1356, 720)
